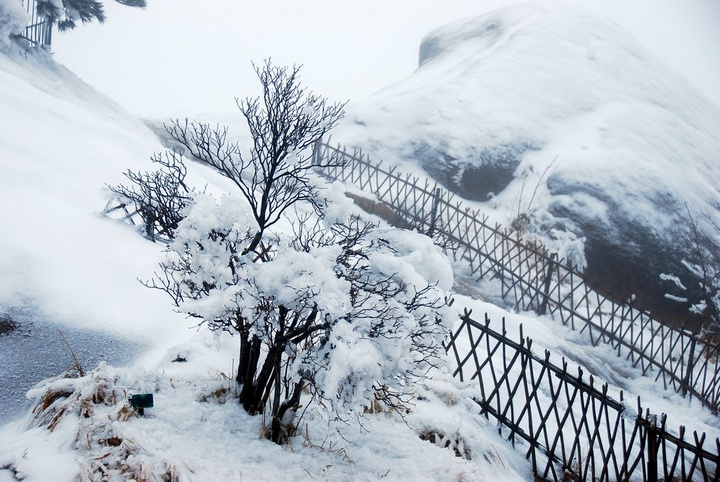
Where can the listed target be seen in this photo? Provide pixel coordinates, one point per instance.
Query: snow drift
(560, 119)
(61, 141)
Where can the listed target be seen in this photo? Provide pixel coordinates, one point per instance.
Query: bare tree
(285, 124)
(159, 197)
(704, 264)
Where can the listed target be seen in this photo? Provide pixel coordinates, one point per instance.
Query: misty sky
(184, 57)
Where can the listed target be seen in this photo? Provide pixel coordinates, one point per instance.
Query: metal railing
(38, 31)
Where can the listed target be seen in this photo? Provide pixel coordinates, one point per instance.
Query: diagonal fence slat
(533, 279)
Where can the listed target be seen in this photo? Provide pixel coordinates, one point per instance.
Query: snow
(13, 19)
(56, 249)
(62, 261)
(567, 104)
(50, 355)
(65, 263)
(199, 435)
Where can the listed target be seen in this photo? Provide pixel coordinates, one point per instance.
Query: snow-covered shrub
(352, 313)
(344, 310)
(13, 19)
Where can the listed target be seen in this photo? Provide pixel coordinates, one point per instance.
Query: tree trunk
(278, 430)
(254, 243)
(244, 361)
(252, 401)
(247, 373)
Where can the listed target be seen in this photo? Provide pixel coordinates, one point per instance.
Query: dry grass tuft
(105, 449)
(332, 448)
(219, 395)
(442, 440)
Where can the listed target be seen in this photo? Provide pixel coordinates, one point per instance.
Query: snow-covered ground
(36, 350)
(62, 142)
(196, 431)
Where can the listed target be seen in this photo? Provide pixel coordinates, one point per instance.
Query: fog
(181, 57)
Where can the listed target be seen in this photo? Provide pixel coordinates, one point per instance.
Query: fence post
(433, 213)
(38, 31)
(317, 155)
(652, 446)
(546, 287)
(688, 371)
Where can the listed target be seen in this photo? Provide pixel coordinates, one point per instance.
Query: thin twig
(72, 353)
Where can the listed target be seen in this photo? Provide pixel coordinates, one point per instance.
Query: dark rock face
(7, 324)
(479, 183)
(625, 258)
(479, 176)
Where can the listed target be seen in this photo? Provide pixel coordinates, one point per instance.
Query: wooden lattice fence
(569, 428)
(38, 31)
(534, 279)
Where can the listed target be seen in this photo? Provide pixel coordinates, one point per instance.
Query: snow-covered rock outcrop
(544, 111)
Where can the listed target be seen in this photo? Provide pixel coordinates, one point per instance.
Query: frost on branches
(340, 311)
(349, 313)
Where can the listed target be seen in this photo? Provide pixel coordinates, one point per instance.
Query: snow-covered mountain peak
(543, 110)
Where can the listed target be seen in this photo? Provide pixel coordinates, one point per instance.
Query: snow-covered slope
(62, 261)
(60, 143)
(539, 109)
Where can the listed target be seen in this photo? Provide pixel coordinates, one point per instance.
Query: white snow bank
(61, 142)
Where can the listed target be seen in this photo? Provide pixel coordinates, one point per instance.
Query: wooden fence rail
(534, 279)
(571, 429)
(38, 31)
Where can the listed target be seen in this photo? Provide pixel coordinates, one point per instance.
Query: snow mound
(552, 116)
